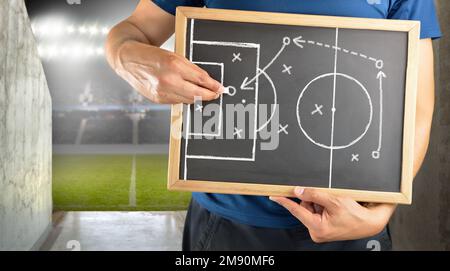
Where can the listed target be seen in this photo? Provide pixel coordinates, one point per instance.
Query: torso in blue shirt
(260, 211)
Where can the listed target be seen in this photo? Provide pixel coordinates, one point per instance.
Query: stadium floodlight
(82, 30)
(57, 26)
(64, 51)
(55, 29)
(70, 29)
(52, 51)
(105, 30)
(76, 51)
(90, 51)
(42, 30)
(99, 51)
(93, 30)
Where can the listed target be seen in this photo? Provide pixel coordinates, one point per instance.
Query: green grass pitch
(102, 183)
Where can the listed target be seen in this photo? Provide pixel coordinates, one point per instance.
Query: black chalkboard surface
(310, 101)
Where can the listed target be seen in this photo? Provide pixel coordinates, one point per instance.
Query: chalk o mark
(230, 90)
(379, 64)
(335, 147)
(286, 40)
(375, 154)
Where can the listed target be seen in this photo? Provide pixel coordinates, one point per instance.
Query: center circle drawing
(328, 116)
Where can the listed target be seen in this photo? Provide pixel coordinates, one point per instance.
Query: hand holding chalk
(230, 90)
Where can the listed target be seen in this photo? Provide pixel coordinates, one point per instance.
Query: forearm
(123, 33)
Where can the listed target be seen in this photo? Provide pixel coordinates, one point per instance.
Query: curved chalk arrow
(298, 41)
(245, 84)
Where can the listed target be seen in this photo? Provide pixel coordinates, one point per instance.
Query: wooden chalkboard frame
(410, 27)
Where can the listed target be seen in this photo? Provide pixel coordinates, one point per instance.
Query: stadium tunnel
(57, 90)
(65, 111)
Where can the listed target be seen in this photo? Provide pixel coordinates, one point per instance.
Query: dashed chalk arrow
(298, 41)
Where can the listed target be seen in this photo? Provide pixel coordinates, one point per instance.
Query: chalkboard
(311, 101)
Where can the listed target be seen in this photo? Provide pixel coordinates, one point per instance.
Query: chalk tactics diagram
(307, 109)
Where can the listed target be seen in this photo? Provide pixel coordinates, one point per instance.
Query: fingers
(308, 205)
(158, 95)
(195, 75)
(192, 91)
(166, 98)
(175, 98)
(178, 81)
(324, 199)
(302, 213)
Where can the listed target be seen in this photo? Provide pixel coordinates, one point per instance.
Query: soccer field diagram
(329, 93)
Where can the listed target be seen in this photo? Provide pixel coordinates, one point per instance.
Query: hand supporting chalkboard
(340, 218)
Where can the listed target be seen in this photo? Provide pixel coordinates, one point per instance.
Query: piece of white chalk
(230, 90)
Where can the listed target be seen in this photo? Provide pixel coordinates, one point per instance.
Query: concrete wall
(25, 133)
(426, 224)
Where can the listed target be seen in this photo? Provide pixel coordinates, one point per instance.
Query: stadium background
(109, 143)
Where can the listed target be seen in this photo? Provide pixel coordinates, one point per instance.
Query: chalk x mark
(355, 157)
(199, 108)
(283, 129)
(287, 69)
(317, 110)
(236, 57)
(237, 132)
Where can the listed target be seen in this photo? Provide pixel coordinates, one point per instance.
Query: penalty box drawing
(215, 65)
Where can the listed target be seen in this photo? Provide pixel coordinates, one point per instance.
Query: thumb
(326, 200)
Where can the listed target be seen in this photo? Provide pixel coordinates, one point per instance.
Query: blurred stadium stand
(110, 127)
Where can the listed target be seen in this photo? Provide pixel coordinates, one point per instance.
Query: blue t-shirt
(257, 210)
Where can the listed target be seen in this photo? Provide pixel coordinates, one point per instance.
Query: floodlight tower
(135, 115)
